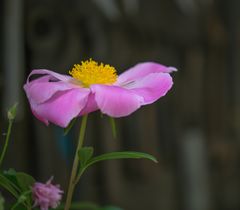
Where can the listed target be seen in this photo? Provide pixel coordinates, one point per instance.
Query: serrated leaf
(121, 155)
(69, 127)
(85, 154)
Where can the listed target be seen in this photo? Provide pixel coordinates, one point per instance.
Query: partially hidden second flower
(46, 195)
(58, 98)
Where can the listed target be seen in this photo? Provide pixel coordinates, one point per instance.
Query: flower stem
(6, 141)
(72, 183)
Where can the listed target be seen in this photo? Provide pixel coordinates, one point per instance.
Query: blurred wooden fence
(193, 131)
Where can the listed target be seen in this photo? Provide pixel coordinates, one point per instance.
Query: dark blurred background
(194, 131)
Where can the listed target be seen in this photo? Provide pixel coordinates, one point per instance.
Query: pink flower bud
(46, 195)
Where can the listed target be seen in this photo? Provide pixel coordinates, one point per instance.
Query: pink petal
(91, 105)
(152, 87)
(141, 70)
(41, 89)
(62, 107)
(116, 101)
(53, 74)
(40, 92)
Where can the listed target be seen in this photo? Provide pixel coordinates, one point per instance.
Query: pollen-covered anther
(90, 72)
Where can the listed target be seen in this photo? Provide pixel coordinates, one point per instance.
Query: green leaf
(11, 175)
(69, 127)
(120, 155)
(85, 154)
(24, 197)
(18, 184)
(9, 185)
(25, 181)
(12, 112)
(10, 172)
(22, 180)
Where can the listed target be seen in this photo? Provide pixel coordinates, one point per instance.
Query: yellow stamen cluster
(90, 72)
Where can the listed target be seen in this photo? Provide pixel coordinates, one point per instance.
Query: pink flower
(58, 98)
(46, 195)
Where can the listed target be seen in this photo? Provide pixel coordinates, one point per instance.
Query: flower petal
(53, 74)
(152, 87)
(116, 101)
(91, 105)
(41, 89)
(62, 107)
(141, 70)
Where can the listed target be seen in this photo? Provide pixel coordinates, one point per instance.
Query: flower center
(90, 72)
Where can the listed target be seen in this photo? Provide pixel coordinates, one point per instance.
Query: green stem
(22, 199)
(6, 141)
(79, 176)
(113, 126)
(72, 183)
